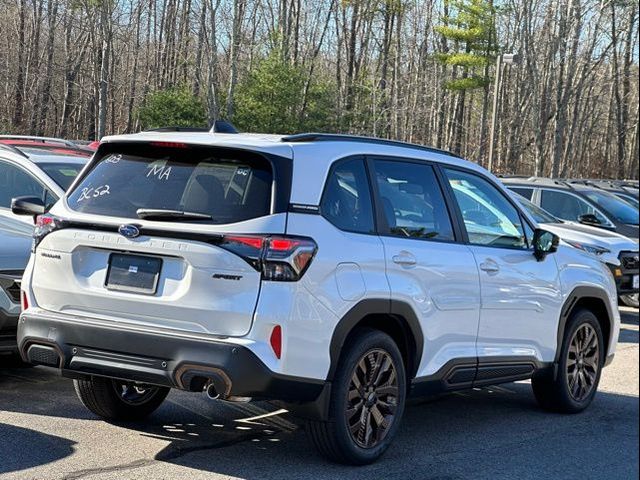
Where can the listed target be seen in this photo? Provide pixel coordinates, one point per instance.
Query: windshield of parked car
(540, 215)
(61, 173)
(619, 209)
(629, 199)
(223, 186)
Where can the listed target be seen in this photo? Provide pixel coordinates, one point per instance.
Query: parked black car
(580, 203)
(620, 188)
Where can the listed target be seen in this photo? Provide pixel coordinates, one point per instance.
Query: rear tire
(117, 400)
(578, 375)
(367, 401)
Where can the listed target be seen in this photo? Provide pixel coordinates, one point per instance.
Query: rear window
(228, 187)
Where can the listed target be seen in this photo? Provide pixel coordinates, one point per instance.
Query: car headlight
(593, 249)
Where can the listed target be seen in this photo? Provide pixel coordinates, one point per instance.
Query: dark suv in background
(625, 190)
(586, 204)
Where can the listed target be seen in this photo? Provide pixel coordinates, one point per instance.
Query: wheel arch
(393, 317)
(593, 299)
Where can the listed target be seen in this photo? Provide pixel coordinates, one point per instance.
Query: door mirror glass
(544, 243)
(589, 219)
(32, 206)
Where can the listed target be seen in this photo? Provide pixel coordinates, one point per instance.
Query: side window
(567, 207)
(346, 202)
(14, 182)
(412, 200)
(489, 218)
(522, 191)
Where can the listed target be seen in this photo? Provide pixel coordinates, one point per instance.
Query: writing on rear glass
(159, 171)
(90, 192)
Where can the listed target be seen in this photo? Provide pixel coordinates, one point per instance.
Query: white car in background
(618, 252)
(42, 169)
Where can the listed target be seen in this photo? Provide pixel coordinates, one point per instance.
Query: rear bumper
(81, 350)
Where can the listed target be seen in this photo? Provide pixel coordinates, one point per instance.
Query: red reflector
(283, 244)
(276, 340)
(255, 242)
(169, 144)
(25, 302)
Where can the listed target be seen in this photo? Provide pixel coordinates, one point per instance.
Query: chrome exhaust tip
(211, 391)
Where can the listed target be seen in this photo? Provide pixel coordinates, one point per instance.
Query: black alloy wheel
(372, 398)
(583, 363)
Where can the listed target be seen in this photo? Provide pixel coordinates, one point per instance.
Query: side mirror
(544, 243)
(32, 206)
(589, 219)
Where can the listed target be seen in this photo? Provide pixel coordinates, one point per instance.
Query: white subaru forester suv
(337, 274)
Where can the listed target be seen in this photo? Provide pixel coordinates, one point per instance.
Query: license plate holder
(636, 281)
(133, 273)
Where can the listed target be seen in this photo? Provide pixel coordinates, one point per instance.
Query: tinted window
(412, 200)
(15, 182)
(347, 199)
(61, 173)
(523, 192)
(567, 206)
(229, 188)
(630, 200)
(619, 209)
(489, 218)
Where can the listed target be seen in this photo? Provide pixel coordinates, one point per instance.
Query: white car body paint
(463, 311)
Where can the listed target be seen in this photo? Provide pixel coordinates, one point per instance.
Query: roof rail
(336, 137)
(66, 143)
(550, 181)
(13, 149)
(178, 129)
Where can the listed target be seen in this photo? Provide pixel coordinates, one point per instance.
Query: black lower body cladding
(80, 350)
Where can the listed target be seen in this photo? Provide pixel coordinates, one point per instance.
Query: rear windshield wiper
(168, 215)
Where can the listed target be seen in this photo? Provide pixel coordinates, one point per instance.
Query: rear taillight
(278, 258)
(45, 224)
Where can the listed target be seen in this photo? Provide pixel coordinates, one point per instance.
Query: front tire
(579, 369)
(118, 400)
(367, 401)
(630, 300)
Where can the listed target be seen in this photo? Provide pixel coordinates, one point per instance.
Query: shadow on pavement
(23, 448)
(496, 432)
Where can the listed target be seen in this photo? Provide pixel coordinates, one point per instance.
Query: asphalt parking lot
(499, 432)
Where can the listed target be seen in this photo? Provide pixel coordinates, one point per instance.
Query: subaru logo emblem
(129, 231)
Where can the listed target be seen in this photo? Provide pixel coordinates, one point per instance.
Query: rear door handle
(404, 258)
(489, 266)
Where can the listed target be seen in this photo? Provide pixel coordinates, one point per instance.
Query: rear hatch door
(147, 239)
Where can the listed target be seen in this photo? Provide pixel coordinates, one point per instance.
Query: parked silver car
(14, 254)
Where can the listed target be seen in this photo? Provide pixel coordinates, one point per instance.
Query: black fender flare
(574, 297)
(379, 306)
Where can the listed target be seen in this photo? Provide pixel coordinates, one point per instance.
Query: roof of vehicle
(39, 155)
(276, 144)
(548, 182)
(37, 140)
